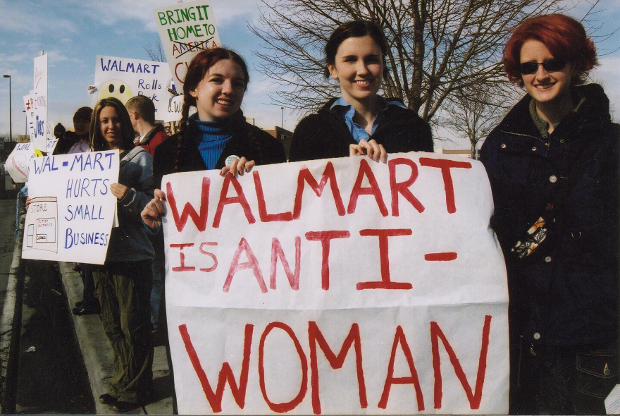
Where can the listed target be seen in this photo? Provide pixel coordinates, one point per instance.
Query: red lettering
(262, 207)
(226, 374)
(403, 187)
(447, 256)
(252, 263)
(325, 238)
(225, 200)
(385, 282)
(316, 337)
(476, 397)
(399, 339)
(276, 251)
(208, 269)
(305, 176)
(373, 189)
(445, 165)
(183, 267)
(303, 388)
(200, 220)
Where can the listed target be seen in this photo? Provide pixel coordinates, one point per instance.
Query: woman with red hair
(553, 167)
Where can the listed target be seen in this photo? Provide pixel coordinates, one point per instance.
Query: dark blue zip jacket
(565, 294)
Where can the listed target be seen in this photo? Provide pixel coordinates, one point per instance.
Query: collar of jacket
(593, 113)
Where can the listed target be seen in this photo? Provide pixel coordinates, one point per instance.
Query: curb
(94, 344)
(98, 356)
(10, 329)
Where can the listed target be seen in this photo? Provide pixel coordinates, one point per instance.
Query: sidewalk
(98, 355)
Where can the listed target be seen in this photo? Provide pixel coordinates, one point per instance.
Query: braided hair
(197, 70)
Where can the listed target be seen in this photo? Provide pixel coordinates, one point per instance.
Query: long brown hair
(198, 68)
(97, 141)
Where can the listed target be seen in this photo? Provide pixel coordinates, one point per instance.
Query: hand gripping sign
(337, 286)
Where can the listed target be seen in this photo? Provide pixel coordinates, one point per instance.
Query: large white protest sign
(337, 287)
(185, 29)
(124, 78)
(40, 103)
(72, 208)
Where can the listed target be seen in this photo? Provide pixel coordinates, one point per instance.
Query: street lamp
(282, 125)
(10, 115)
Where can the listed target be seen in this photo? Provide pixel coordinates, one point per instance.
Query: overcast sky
(73, 32)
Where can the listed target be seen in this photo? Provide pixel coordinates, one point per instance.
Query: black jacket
(565, 293)
(247, 141)
(326, 135)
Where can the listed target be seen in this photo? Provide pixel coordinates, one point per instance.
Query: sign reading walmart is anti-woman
(337, 286)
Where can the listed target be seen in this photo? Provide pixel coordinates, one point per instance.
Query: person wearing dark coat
(326, 135)
(360, 121)
(553, 168)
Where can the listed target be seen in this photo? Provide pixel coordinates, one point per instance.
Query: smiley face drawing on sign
(115, 88)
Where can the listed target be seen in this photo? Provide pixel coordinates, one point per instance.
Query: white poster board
(17, 163)
(40, 103)
(185, 29)
(124, 78)
(29, 106)
(72, 209)
(338, 287)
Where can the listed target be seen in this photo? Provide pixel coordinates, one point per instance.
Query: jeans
(159, 274)
(124, 290)
(576, 381)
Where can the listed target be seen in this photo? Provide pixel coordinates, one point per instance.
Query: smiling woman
(553, 168)
(217, 135)
(123, 283)
(360, 121)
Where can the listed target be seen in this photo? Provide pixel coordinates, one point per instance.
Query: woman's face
(110, 125)
(81, 127)
(219, 94)
(358, 67)
(544, 87)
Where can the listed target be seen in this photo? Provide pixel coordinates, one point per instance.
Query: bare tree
(474, 111)
(436, 47)
(156, 51)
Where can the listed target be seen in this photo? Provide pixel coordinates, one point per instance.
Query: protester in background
(62, 145)
(360, 121)
(123, 283)
(142, 115)
(217, 133)
(81, 123)
(553, 167)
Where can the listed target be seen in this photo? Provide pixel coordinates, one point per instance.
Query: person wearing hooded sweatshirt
(552, 163)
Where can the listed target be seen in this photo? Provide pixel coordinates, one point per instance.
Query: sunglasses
(551, 65)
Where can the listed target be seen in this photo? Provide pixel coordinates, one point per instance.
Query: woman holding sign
(553, 167)
(123, 283)
(360, 121)
(217, 135)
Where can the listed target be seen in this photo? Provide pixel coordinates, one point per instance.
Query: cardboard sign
(72, 209)
(17, 162)
(40, 103)
(185, 29)
(124, 78)
(338, 286)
